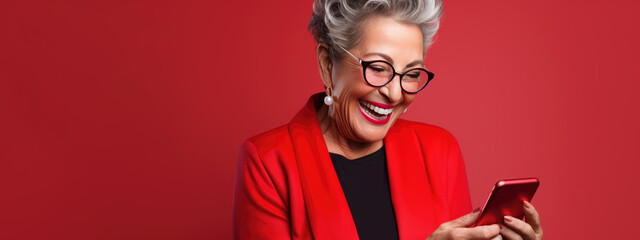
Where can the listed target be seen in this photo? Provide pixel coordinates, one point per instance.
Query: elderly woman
(346, 166)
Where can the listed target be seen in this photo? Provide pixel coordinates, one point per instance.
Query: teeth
(376, 109)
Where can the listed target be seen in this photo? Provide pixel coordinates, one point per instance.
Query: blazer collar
(327, 208)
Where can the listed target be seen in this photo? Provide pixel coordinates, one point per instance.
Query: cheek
(349, 90)
(408, 99)
(399, 110)
(346, 98)
(342, 111)
(350, 97)
(346, 112)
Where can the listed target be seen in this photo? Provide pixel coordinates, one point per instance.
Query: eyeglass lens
(379, 73)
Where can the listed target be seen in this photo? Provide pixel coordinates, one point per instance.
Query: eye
(377, 69)
(413, 75)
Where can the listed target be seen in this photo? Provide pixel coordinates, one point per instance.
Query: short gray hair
(338, 22)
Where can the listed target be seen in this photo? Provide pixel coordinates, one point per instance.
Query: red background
(123, 119)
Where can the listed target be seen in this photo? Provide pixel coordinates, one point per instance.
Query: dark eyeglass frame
(366, 64)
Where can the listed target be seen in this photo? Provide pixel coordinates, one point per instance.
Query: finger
(464, 221)
(532, 217)
(509, 234)
(497, 237)
(482, 232)
(521, 227)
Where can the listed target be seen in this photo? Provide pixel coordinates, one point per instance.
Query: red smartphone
(507, 198)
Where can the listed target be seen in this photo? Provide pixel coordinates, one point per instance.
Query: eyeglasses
(379, 73)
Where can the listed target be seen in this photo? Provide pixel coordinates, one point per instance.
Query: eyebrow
(390, 60)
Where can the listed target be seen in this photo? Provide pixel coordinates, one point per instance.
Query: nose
(392, 90)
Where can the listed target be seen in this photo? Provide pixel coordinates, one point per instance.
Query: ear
(325, 64)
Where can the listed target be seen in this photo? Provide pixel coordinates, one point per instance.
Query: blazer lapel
(408, 180)
(327, 208)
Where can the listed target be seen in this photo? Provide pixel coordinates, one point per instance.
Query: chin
(368, 134)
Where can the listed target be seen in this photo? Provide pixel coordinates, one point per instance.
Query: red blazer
(286, 186)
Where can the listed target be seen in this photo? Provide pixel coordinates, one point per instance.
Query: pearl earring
(328, 100)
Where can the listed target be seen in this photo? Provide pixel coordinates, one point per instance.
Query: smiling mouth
(375, 112)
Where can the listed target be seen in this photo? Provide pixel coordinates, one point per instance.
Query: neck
(340, 144)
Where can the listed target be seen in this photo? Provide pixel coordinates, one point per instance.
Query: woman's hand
(459, 229)
(529, 229)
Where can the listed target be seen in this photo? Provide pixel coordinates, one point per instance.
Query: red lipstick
(364, 111)
(380, 105)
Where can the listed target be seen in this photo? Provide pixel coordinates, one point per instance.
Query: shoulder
(269, 140)
(274, 135)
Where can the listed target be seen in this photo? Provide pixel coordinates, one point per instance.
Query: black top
(365, 183)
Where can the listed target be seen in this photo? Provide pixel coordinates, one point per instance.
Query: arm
(258, 209)
(459, 201)
(460, 204)
(457, 185)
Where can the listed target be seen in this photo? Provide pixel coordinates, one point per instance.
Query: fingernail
(526, 204)
(508, 218)
(476, 210)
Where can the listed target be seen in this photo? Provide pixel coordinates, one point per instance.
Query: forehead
(402, 41)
